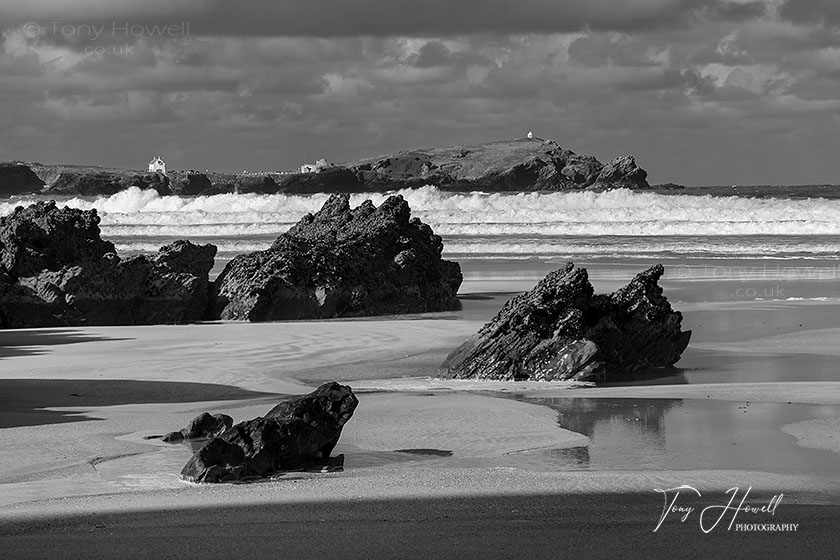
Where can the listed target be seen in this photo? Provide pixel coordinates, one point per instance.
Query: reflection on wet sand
(688, 434)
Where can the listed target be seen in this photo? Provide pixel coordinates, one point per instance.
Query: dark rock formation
(296, 434)
(518, 165)
(189, 183)
(561, 330)
(333, 180)
(342, 262)
(41, 236)
(96, 182)
(227, 183)
(205, 425)
(55, 270)
(186, 256)
(524, 164)
(17, 178)
(181, 258)
(622, 173)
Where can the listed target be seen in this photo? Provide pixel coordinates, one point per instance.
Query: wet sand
(79, 403)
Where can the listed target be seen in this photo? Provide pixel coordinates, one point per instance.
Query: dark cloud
(735, 11)
(599, 49)
(320, 18)
(698, 83)
(260, 85)
(433, 53)
(811, 11)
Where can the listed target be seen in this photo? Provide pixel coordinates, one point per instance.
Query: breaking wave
(612, 222)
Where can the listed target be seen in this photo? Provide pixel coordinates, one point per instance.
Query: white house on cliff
(157, 165)
(317, 167)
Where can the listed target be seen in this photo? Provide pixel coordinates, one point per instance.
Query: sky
(701, 92)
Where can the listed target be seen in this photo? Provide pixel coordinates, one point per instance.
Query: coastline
(465, 444)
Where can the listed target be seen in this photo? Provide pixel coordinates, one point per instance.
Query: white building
(316, 167)
(157, 165)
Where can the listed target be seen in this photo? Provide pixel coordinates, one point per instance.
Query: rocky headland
(562, 330)
(525, 164)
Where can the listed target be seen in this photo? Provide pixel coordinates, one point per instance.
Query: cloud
(431, 54)
(735, 11)
(600, 49)
(321, 18)
(811, 11)
(260, 85)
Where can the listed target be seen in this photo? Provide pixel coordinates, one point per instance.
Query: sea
(748, 242)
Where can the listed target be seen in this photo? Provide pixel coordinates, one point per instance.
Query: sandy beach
(424, 457)
(243, 237)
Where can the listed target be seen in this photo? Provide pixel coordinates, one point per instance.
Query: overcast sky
(700, 91)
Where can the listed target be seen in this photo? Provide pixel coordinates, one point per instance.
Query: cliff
(17, 178)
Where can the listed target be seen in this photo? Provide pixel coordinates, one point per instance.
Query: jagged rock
(622, 172)
(186, 256)
(581, 170)
(342, 262)
(561, 330)
(205, 425)
(41, 236)
(182, 256)
(296, 434)
(58, 271)
(107, 291)
(17, 178)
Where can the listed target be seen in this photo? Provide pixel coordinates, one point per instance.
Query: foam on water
(619, 222)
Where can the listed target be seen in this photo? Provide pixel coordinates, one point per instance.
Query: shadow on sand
(596, 525)
(22, 401)
(28, 342)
